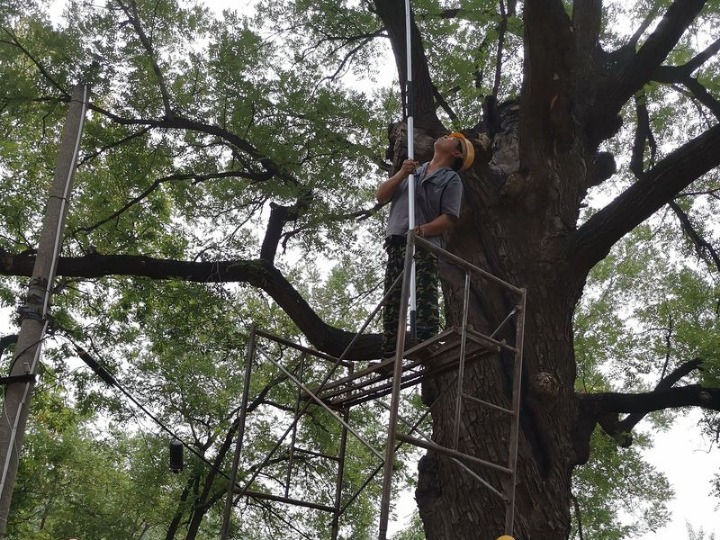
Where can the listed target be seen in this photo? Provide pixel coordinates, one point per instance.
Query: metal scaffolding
(338, 388)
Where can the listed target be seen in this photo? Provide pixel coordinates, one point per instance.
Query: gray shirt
(436, 194)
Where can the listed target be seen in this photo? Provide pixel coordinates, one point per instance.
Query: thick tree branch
(502, 29)
(444, 105)
(547, 73)
(629, 70)
(638, 70)
(643, 133)
(392, 14)
(587, 22)
(702, 246)
(604, 408)
(667, 382)
(681, 75)
(692, 395)
(699, 59)
(643, 26)
(134, 19)
(258, 273)
(279, 216)
(655, 188)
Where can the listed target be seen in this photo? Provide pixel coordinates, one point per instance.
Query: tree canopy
(226, 177)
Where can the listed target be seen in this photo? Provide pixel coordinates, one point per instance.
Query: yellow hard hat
(468, 156)
(506, 537)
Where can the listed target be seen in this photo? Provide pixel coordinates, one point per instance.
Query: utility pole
(34, 313)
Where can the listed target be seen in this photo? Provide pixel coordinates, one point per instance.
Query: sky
(681, 452)
(689, 463)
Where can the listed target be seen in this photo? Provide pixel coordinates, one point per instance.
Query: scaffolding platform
(338, 386)
(434, 356)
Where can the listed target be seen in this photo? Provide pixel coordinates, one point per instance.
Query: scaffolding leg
(461, 363)
(293, 437)
(515, 425)
(335, 529)
(395, 401)
(240, 435)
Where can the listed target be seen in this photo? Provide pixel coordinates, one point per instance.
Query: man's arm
(437, 226)
(386, 190)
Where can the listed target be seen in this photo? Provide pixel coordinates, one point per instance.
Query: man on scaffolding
(438, 195)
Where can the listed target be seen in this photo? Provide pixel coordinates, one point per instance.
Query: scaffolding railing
(450, 350)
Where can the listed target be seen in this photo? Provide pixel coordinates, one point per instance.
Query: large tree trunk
(510, 231)
(521, 204)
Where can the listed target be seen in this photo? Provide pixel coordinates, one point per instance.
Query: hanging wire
(110, 380)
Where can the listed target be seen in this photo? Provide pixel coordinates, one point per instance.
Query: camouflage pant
(426, 280)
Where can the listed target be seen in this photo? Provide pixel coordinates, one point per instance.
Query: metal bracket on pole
(28, 377)
(27, 312)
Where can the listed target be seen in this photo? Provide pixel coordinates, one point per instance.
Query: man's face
(450, 145)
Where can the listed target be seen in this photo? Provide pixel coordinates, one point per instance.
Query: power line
(111, 381)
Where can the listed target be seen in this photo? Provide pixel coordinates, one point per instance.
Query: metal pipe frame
(315, 454)
(301, 348)
(462, 263)
(335, 525)
(503, 323)
(415, 428)
(395, 439)
(461, 365)
(293, 437)
(286, 500)
(323, 405)
(515, 427)
(395, 400)
(487, 404)
(252, 341)
(427, 445)
(367, 389)
(337, 362)
(372, 475)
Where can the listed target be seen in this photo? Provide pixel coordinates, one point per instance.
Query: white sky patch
(689, 461)
(55, 9)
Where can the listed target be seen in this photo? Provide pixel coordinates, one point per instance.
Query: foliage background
(621, 318)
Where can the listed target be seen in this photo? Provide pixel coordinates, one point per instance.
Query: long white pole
(404, 305)
(409, 97)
